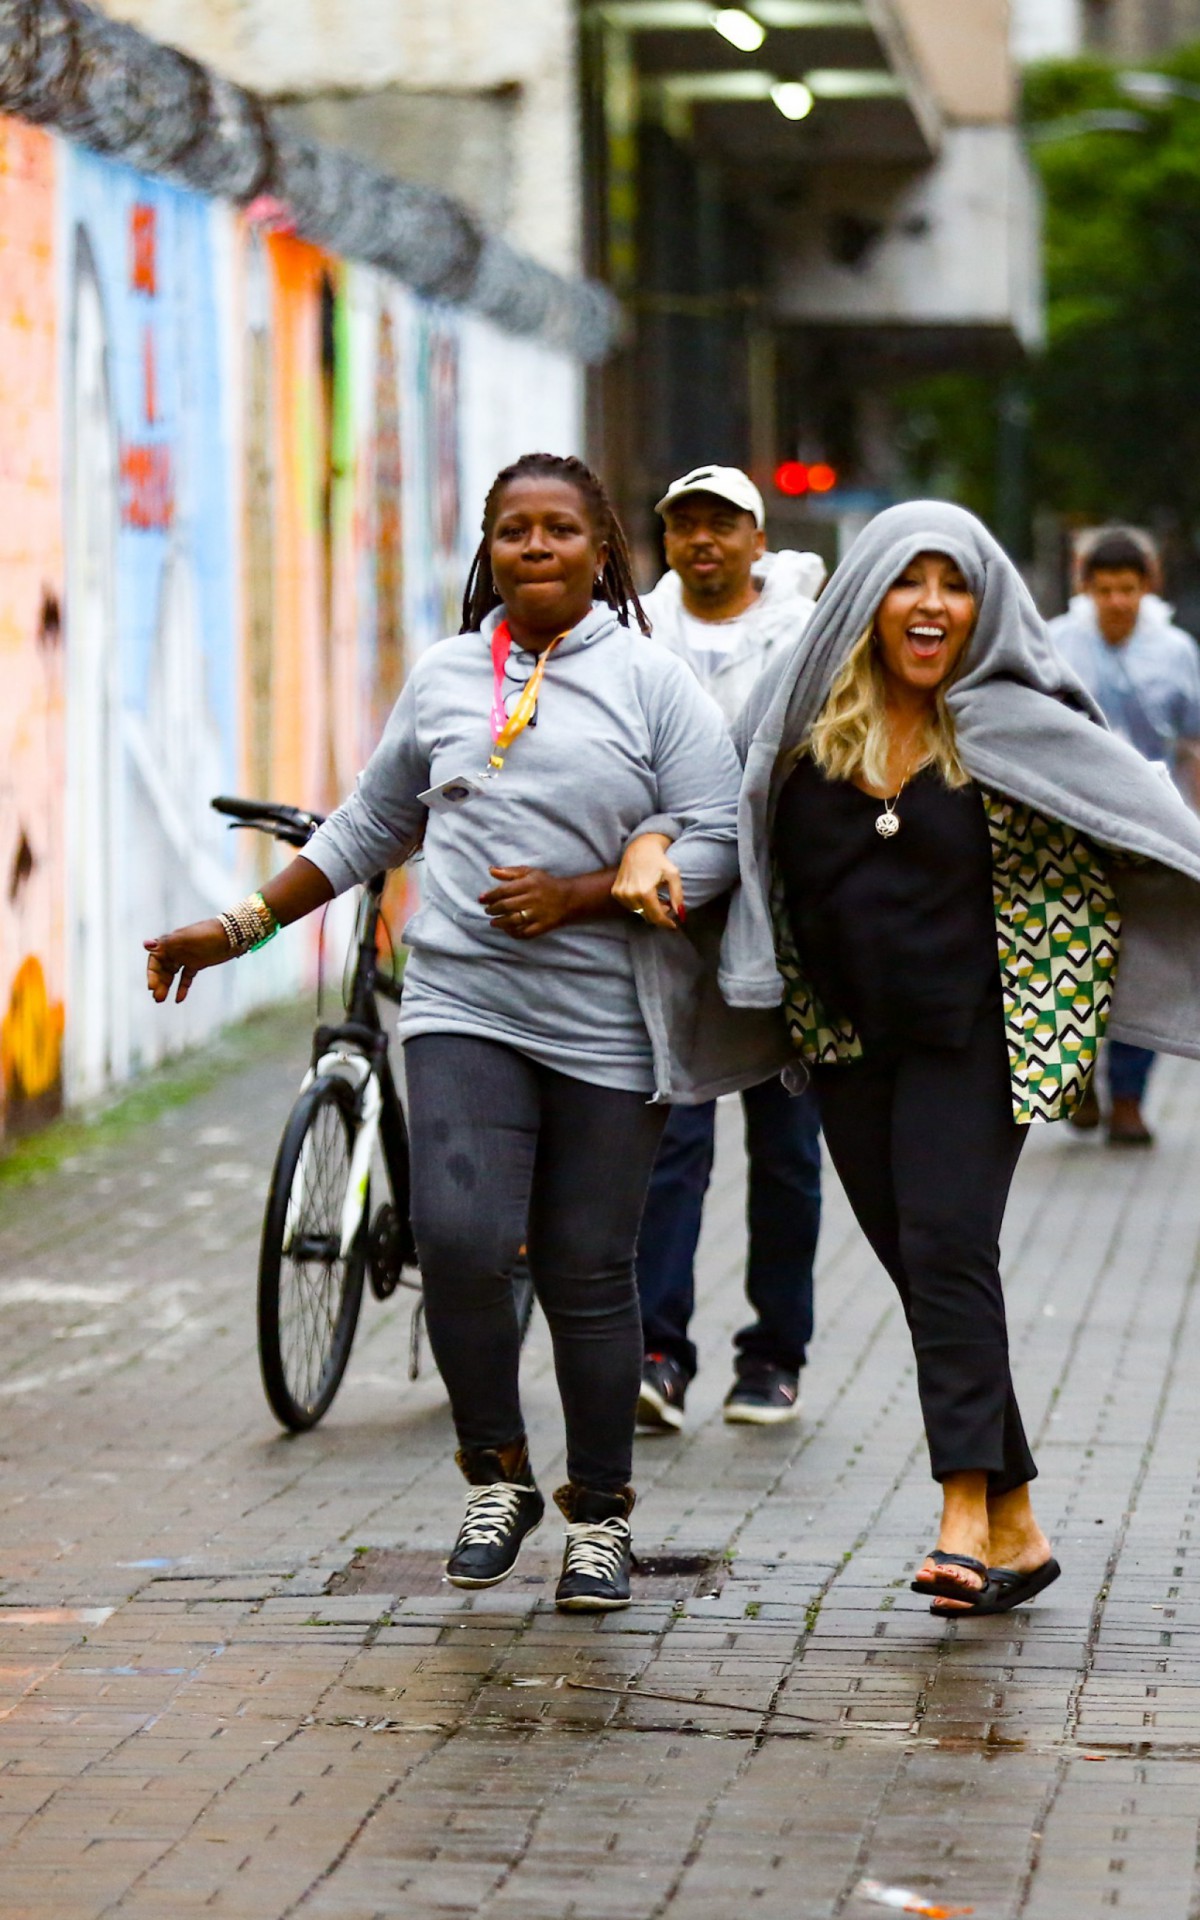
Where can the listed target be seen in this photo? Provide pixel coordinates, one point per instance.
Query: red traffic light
(791, 477)
(796, 477)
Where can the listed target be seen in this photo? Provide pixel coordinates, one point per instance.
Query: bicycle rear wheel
(309, 1293)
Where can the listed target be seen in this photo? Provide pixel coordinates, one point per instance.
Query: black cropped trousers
(925, 1144)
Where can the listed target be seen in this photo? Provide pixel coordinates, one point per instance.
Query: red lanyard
(507, 726)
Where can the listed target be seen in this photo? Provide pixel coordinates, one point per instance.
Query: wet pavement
(232, 1681)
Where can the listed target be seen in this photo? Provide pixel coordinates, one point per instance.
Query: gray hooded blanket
(1026, 728)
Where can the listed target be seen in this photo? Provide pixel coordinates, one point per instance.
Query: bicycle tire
(306, 1325)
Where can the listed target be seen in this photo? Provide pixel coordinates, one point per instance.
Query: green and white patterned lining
(1058, 933)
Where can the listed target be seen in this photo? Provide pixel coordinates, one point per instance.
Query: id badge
(453, 793)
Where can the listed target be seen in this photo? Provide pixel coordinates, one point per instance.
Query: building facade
(1047, 29)
(797, 222)
(1138, 29)
(1119, 29)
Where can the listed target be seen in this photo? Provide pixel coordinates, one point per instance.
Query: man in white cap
(725, 603)
(729, 607)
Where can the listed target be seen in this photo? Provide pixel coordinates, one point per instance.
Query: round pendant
(887, 823)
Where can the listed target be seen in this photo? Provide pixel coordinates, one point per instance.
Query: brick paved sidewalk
(204, 1709)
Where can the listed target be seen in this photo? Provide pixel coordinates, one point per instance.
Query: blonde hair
(849, 738)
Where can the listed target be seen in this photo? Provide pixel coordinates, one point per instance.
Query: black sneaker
(599, 1551)
(500, 1513)
(663, 1391)
(762, 1396)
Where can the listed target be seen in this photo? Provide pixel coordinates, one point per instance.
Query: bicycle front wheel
(309, 1292)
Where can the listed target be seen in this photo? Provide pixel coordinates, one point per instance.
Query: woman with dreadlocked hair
(614, 581)
(541, 1015)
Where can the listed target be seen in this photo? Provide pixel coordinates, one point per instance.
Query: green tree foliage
(1115, 399)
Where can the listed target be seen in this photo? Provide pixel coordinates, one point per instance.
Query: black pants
(503, 1150)
(925, 1144)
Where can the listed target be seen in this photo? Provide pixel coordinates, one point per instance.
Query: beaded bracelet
(249, 925)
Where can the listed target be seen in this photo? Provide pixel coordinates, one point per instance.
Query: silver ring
(524, 914)
(640, 912)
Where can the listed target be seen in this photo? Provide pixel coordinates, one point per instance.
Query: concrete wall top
(319, 49)
(962, 49)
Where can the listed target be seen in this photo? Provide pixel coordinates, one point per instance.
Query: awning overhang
(869, 101)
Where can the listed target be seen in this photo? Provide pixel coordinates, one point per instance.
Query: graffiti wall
(32, 745)
(240, 481)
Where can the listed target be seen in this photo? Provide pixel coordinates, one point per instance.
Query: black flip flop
(953, 1589)
(1005, 1589)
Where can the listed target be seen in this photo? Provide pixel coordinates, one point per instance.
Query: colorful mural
(240, 481)
(387, 544)
(32, 771)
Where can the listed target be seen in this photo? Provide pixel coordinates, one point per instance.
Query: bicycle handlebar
(290, 824)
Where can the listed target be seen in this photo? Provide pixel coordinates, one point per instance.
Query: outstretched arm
(379, 826)
(297, 890)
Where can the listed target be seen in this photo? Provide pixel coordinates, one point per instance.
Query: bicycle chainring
(390, 1250)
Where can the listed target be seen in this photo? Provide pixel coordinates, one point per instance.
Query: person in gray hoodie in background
(729, 608)
(1144, 673)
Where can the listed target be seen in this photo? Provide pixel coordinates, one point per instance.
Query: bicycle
(319, 1241)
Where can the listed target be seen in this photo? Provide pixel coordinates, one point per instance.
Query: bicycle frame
(357, 1048)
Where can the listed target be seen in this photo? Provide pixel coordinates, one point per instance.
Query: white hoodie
(776, 618)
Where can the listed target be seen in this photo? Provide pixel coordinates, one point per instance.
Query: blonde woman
(943, 851)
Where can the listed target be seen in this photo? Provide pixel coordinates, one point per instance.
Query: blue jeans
(783, 1216)
(1128, 1070)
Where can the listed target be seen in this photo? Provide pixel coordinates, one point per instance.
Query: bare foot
(1017, 1541)
(1014, 1540)
(964, 1530)
(964, 1577)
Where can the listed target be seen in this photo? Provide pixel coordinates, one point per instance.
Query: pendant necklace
(887, 824)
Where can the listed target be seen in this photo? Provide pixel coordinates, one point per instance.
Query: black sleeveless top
(899, 935)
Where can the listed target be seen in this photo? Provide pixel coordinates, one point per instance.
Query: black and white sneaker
(663, 1391)
(500, 1514)
(598, 1553)
(763, 1396)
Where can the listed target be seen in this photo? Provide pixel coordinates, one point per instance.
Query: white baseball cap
(728, 483)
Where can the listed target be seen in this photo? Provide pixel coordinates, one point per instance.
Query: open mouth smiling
(925, 640)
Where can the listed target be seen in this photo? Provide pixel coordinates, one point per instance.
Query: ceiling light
(855, 83)
(734, 83)
(653, 15)
(811, 13)
(793, 99)
(739, 29)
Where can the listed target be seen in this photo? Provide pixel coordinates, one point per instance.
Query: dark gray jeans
(504, 1151)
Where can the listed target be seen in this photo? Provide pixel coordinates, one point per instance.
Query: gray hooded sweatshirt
(623, 733)
(1026, 727)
